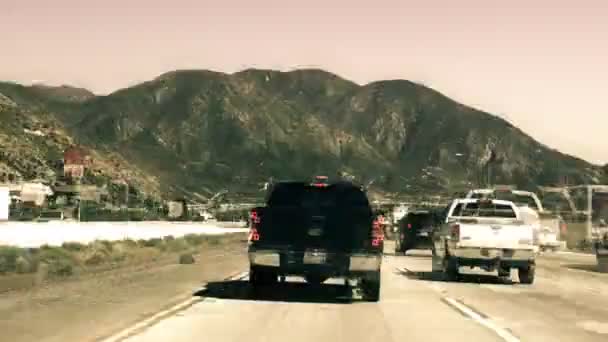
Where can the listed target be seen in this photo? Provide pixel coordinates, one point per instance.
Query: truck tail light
(377, 233)
(564, 228)
(409, 226)
(254, 235)
(455, 231)
(255, 220)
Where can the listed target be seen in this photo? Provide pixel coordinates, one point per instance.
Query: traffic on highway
(320, 266)
(303, 171)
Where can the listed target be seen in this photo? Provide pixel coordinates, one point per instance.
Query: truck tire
(260, 278)
(450, 268)
(504, 273)
(398, 248)
(602, 263)
(371, 287)
(526, 274)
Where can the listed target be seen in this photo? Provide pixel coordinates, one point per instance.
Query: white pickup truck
(547, 226)
(484, 233)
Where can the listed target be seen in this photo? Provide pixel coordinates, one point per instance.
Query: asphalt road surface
(568, 302)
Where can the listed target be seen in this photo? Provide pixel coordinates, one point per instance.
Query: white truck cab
(546, 226)
(485, 233)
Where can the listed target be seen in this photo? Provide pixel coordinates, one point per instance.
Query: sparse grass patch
(194, 239)
(8, 258)
(213, 240)
(130, 243)
(73, 246)
(60, 262)
(54, 262)
(177, 245)
(18, 260)
(154, 242)
(186, 259)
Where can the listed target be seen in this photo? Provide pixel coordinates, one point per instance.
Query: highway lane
(408, 311)
(562, 305)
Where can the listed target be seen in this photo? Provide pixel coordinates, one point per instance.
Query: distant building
(4, 203)
(75, 161)
(176, 209)
(35, 193)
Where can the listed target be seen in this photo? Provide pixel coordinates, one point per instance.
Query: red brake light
(409, 226)
(377, 233)
(319, 185)
(254, 235)
(253, 229)
(255, 218)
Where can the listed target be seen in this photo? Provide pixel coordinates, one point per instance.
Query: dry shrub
(186, 259)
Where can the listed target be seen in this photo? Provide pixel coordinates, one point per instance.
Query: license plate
(492, 253)
(423, 234)
(315, 231)
(315, 257)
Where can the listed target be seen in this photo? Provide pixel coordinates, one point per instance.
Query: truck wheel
(258, 278)
(602, 263)
(254, 277)
(450, 268)
(371, 287)
(526, 274)
(398, 248)
(315, 279)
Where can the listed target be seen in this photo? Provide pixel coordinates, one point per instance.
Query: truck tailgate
(496, 235)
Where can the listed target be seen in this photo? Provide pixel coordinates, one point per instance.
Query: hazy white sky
(543, 64)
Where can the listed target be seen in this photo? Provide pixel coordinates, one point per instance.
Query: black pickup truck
(316, 230)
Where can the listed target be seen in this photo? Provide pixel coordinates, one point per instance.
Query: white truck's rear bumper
(480, 253)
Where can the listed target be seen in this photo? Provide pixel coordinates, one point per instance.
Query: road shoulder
(96, 307)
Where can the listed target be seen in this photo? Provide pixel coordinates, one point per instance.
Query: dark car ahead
(415, 231)
(316, 230)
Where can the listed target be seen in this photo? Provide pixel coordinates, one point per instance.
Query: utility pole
(488, 175)
(127, 198)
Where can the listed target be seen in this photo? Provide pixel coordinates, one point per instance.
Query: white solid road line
(150, 321)
(572, 253)
(504, 334)
(140, 326)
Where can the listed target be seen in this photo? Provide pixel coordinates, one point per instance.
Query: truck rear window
(300, 195)
(481, 209)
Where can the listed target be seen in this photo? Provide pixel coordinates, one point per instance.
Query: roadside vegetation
(74, 258)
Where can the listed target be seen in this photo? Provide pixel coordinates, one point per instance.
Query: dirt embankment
(109, 286)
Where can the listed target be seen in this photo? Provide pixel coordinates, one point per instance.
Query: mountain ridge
(202, 130)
